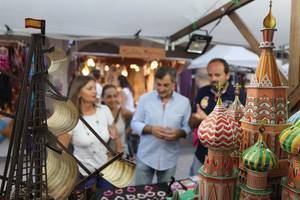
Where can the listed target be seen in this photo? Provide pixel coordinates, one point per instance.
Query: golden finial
(219, 88)
(237, 89)
(270, 21)
(262, 129)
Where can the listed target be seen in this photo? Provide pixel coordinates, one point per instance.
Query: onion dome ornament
(290, 139)
(259, 157)
(220, 130)
(267, 73)
(236, 109)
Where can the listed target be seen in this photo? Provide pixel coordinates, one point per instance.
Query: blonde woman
(87, 148)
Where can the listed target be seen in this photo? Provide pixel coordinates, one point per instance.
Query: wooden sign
(141, 52)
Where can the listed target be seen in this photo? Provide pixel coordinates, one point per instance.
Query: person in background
(161, 120)
(121, 115)
(97, 75)
(205, 101)
(87, 148)
(6, 124)
(126, 94)
(5, 127)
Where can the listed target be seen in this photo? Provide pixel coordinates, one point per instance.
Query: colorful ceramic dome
(290, 139)
(236, 109)
(220, 130)
(258, 157)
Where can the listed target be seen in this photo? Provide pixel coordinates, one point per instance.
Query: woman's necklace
(92, 118)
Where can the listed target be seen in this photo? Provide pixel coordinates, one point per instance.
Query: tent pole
(294, 56)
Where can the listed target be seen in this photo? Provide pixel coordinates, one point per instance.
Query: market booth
(136, 59)
(248, 157)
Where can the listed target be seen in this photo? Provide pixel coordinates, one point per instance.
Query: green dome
(290, 139)
(258, 157)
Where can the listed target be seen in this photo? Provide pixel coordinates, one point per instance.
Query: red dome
(220, 130)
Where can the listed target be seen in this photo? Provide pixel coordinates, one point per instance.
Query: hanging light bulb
(124, 72)
(90, 62)
(85, 70)
(133, 66)
(153, 65)
(106, 68)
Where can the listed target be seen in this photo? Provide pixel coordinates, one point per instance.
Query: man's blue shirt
(152, 151)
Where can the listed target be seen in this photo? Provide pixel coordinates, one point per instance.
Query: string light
(135, 67)
(90, 62)
(124, 72)
(85, 70)
(106, 68)
(153, 64)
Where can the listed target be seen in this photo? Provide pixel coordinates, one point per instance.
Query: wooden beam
(245, 31)
(220, 12)
(294, 56)
(294, 99)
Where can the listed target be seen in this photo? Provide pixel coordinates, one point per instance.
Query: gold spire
(267, 73)
(270, 21)
(237, 89)
(261, 129)
(219, 87)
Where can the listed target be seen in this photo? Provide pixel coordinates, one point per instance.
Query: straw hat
(64, 118)
(62, 172)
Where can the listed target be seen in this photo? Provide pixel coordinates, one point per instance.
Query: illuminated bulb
(124, 72)
(85, 70)
(106, 68)
(137, 69)
(133, 66)
(90, 62)
(153, 65)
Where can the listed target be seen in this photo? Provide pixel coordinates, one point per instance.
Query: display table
(151, 192)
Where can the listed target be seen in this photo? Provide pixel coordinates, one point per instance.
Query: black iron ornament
(25, 168)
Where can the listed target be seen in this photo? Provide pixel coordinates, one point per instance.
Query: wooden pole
(220, 12)
(245, 31)
(294, 56)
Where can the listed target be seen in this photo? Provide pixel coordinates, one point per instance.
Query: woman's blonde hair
(77, 83)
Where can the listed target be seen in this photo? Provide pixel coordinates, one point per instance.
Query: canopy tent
(285, 69)
(234, 55)
(68, 19)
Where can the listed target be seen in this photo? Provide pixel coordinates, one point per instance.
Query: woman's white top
(129, 101)
(87, 148)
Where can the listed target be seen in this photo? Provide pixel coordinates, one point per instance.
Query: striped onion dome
(220, 130)
(290, 139)
(258, 157)
(294, 118)
(236, 109)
